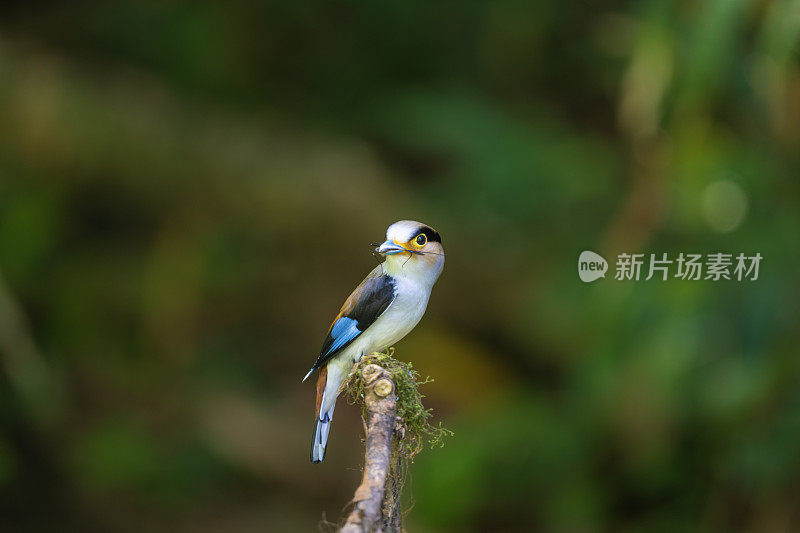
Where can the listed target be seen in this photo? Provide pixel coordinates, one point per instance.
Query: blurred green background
(187, 194)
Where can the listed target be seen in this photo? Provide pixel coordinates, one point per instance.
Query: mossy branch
(380, 402)
(413, 419)
(397, 428)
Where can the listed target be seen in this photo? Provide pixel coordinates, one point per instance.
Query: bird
(383, 309)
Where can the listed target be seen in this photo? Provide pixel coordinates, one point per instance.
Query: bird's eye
(421, 239)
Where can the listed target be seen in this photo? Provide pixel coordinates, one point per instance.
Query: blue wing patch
(359, 312)
(343, 331)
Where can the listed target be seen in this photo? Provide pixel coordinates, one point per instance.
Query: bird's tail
(322, 429)
(322, 422)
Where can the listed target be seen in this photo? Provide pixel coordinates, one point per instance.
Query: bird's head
(412, 249)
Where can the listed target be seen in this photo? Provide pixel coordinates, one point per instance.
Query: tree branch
(380, 399)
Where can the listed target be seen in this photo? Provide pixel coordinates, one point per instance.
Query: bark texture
(381, 403)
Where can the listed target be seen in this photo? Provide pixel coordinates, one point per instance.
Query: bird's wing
(361, 309)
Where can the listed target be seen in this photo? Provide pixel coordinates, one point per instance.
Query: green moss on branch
(413, 430)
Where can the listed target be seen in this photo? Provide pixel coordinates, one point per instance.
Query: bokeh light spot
(724, 205)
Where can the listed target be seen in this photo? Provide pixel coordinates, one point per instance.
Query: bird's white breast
(405, 311)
